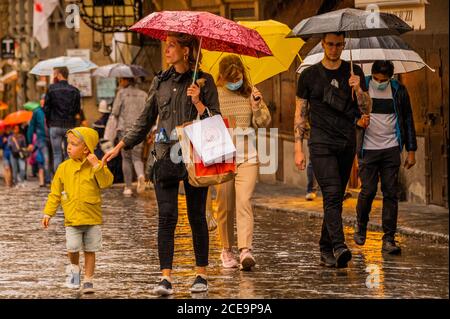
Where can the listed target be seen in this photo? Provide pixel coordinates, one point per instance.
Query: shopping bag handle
(207, 110)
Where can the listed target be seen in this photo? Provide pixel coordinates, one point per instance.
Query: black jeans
(332, 167)
(383, 165)
(310, 186)
(167, 198)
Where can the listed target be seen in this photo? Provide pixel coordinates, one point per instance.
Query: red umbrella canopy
(18, 117)
(217, 33)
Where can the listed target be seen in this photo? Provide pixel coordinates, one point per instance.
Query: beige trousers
(233, 197)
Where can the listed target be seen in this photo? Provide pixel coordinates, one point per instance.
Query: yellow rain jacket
(76, 186)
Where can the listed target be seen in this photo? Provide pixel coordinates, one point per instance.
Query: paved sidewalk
(33, 260)
(422, 221)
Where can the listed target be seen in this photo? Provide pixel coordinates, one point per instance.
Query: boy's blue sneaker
(73, 278)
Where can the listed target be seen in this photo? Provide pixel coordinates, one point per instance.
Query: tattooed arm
(362, 97)
(364, 101)
(300, 130)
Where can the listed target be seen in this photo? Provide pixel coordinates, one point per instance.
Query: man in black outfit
(332, 98)
(62, 105)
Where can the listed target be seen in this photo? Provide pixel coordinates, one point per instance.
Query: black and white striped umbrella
(367, 50)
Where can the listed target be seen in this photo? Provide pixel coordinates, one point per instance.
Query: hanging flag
(42, 10)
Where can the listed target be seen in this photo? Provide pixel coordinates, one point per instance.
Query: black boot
(343, 256)
(390, 247)
(327, 259)
(360, 234)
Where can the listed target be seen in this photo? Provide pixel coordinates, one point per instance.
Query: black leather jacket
(167, 98)
(405, 130)
(62, 104)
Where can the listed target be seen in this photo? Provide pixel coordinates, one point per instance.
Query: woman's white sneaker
(228, 259)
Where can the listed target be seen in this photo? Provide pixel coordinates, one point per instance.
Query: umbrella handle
(351, 66)
(196, 62)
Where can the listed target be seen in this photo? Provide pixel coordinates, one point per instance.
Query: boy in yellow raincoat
(76, 186)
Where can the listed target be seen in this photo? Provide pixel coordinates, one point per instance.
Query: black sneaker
(390, 247)
(164, 288)
(327, 259)
(343, 256)
(200, 285)
(360, 234)
(347, 195)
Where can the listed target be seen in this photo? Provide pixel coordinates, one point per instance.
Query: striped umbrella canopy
(367, 50)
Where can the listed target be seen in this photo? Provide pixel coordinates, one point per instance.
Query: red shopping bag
(199, 174)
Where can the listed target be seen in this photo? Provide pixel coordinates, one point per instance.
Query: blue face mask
(380, 86)
(234, 86)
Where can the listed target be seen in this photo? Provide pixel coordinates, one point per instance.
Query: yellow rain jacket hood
(88, 135)
(77, 186)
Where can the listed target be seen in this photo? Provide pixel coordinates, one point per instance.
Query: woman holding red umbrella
(176, 100)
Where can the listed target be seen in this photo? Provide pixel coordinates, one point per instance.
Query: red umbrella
(18, 117)
(215, 32)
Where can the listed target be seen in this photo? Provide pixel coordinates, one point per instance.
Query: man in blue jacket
(390, 129)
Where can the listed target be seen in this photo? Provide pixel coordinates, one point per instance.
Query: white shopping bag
(211, 140)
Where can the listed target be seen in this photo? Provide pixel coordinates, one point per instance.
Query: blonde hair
(191, 42)
(230, 67)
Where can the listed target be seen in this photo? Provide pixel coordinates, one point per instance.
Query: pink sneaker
(247, 260)
(228, 260)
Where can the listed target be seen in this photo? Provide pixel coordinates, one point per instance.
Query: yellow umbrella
(274, 34)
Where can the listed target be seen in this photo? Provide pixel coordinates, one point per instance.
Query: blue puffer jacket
(405, 130)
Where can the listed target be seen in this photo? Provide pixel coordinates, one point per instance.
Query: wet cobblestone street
(33, 260)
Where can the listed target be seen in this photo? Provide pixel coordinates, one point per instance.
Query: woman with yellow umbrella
(242, 103)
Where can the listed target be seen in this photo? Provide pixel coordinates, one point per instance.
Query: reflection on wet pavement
(285, 245)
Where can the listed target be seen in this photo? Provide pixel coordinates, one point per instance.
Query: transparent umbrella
(120, 70)
(74, 64)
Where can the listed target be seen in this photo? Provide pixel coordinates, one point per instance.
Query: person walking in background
(17, 144)
(100, 124)
(389, 129)
(40, 146)
(7, 173)
(105, 145)
(241, 102)
(176, 100)
(332, 144)
(77, 186)
(61, 106)
(128, 105)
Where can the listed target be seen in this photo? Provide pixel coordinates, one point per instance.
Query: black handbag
(335, 97)
(21, 152)
(164, 171)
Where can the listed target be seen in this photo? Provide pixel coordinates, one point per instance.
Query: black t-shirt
(328, 125)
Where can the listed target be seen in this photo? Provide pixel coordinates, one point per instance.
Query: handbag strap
(15, 142)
